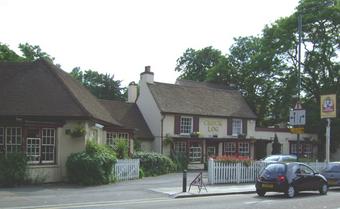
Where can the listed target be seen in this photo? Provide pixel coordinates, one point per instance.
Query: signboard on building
(328, 106)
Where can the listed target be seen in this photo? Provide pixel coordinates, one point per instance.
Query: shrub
(93, 166)
(181, 161)
(154, 164)
(234, 159)
(13, 169)
(121, 147)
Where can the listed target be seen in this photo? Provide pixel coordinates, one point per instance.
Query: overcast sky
(120, 37)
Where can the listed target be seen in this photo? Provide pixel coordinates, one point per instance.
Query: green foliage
(181, 160)
(137, 145)
(141, 173)
(154, 164)
(121, 147)
(13, 169)
(103, 86)
(91, 167)
(29, 53)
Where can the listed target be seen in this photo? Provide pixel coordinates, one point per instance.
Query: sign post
(328, 110)
(297, 118)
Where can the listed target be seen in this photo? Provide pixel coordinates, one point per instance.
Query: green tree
(276, 146)
(194, 65)
(29, 53)
(103, 86)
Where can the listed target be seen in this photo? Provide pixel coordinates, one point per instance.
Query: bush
(154, 164)
(234, 159)
(121, 147)
(181, 161)
(13, 169)
(91, 167)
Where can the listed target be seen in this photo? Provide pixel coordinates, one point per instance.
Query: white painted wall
(283, 138)
(150, 110)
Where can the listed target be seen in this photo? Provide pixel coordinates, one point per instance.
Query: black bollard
(184, 181)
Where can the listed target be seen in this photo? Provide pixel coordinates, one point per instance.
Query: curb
(188, 195)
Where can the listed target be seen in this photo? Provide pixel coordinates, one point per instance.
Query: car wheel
(291, 192)
(323, 188)
(260, 193)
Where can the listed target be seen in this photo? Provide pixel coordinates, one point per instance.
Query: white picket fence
(222, 173)
(126, 169)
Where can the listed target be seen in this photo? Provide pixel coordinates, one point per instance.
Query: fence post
(211, 171)
(238, 173)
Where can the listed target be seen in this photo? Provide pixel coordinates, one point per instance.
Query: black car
(290, 178)
(332, 173)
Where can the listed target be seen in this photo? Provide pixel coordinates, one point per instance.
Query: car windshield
(273, 170)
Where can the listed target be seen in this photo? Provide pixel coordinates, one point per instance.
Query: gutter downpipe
(162, 119)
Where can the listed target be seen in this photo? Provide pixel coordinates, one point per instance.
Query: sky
(121, 37)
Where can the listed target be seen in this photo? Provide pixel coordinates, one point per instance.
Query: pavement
(208, 190)
(176, 191)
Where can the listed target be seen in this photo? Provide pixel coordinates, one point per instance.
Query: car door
(310, 181)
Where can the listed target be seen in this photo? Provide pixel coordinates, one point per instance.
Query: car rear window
(273, 170)
(272, 158)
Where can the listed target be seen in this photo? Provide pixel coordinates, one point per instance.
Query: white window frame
(308, 149)
(48, 142)
(243, 148)
(112, 137)
(33, 150)
(180, 147)
(293, 148)
(236, 126)
(9, 137)
(229, 148)
(209, 151)
(195, 153)
(184, 127)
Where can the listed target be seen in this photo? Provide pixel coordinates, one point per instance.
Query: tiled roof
(197, 98)
(129, 116)
(40, 89)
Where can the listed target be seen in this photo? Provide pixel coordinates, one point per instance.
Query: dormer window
(236, 127)
(186, 125)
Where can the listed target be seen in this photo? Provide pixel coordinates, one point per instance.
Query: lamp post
(299, 81)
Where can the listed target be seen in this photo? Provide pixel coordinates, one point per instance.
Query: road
(310, 200)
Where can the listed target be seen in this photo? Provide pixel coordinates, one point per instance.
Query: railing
(222, 173)
(126, 169)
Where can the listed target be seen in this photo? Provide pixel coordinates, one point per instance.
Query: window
(33, 150)
(13, 139)
(307, 149)
(243, 148)
(180, 147)
(195, 153)
(2, 139)
(229, 148)
(186, 125)
(237, 127)
(211, 151)
(48, 145)
(111, 137)
(293, 148)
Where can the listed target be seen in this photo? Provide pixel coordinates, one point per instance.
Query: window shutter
(177, 124)
(244, 126)
(196, 124)
(230, 127)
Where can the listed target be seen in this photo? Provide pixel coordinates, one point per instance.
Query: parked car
(290, 178)
(280, 158)
(332, 173)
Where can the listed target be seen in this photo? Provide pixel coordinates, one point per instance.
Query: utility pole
(299, 80)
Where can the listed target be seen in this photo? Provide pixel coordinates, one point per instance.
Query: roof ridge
(206, 87)
(52, 68)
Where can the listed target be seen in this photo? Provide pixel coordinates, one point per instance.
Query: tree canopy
(265, 67)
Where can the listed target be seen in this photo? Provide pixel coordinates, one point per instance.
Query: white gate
(126, 169)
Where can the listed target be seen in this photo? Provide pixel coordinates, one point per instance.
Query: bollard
(184, 181)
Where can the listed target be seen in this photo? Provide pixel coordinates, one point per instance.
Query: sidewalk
(211, 190)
